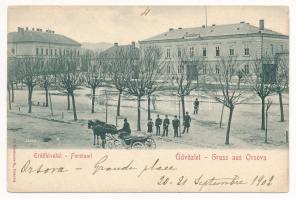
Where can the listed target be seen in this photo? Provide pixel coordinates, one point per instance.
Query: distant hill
(97, 47)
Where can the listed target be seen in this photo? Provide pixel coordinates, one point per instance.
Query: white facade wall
(238, 44)
(29, 49)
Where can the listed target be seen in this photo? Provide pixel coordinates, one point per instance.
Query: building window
(231, 51)
(13, 51)
(168, 53)
(191, 51)
(282, 48)
(55, 52)
(37, 51)
(247, 51)
(50, 51)
(179, 52)
(180, 68)
(41, 51)
(217, 70)
(272, 48)
(77, 52)
(217, 51)
(46, 51)
(204, 69)
(168, 69)
(246, 69)
(64, 51)
(204, 51)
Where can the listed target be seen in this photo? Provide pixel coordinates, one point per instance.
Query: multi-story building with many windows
(210, 44)
(35, 42)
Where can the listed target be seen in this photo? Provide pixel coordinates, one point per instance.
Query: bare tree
(30, 68)
(151, 59)
(262, 80)
(94, 77)
(47, 75)
(282, 78)
(12, 77)
(118, 63)
(228, 92)
(71, 78)
(182, 77)
(144, 73)
(268, 105)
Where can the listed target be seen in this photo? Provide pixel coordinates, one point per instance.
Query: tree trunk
(93, 100)
(266, 120)
(9, 99)
(30, 92)
(118, 103)
(12, 92)
(229, 125)
(149, 107)
(221, 117)
(281, 106)
(74, 107)
(139, 114)
(68, 100)
(46, 95)
(183, 106)
(263, 113)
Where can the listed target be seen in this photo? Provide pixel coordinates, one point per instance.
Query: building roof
(42, 37)
(211, 31)
(114, 50)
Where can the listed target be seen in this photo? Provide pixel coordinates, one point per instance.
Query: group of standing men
(166, 122)
(175, 122)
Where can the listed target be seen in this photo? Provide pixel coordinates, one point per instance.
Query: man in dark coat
(196, 106)
(150, 126)
(176, 124)
(187, 120)
(158, 123)
(126, 130)
(166, 123)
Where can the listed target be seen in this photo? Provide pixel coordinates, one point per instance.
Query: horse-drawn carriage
(113, 138)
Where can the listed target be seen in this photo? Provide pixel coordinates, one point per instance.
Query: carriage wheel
(137, 145)
(150, 143)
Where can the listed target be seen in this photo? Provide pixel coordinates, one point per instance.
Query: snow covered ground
(41, 130)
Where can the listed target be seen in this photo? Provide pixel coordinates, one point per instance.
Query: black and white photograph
(142, 77)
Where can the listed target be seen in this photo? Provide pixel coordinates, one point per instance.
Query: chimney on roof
(180, 28)
(171, 29)
(27, 28)
(213, 24)
(133, 44)
(19, 29)
(33, 29)
(203, 26)
(242, 22)
(115, 44)
(261, 24)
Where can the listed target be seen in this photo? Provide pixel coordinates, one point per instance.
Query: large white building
(243, 41)
(36, 42)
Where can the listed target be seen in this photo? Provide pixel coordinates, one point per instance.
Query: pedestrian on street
(196, 106)
(176, 124)
(158, 123)
(150, 126)
(166, 123)
(186, 122)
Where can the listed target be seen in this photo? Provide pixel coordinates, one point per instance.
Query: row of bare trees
(137, 73)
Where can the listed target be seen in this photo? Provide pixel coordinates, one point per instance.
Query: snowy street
(41, 130)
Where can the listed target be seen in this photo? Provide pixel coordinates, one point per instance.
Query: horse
(100, 129)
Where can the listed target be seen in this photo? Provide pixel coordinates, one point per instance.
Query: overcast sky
(126, 24)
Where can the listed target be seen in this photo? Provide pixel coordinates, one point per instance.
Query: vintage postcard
(148, 98)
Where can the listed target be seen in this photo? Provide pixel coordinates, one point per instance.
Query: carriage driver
(126, 130)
